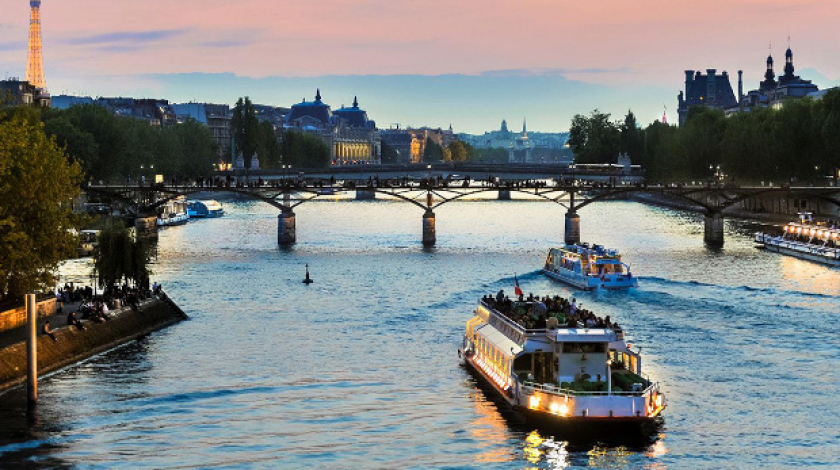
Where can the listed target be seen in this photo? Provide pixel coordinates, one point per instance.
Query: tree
(458, 151)
(37, 186)
(594, 139)
(433, 152)
(121, 257)
(389, 154)
(197, 147)
(304, 150)
(245, 128)
(631, 137)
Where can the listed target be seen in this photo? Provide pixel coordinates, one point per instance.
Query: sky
(469, 63)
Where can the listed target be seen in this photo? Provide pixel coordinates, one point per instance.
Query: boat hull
(580, 426)
(591, 283)
(179, 219)
(798, 251)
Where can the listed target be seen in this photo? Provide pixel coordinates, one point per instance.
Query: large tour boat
(589, 268)
(173, 212)
(806, 239)
(564, 369)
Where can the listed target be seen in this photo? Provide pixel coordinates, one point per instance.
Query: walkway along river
(359, 370)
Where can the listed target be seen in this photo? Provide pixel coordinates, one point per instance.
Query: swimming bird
(308, 280)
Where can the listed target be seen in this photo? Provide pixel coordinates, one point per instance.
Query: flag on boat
(516, 289)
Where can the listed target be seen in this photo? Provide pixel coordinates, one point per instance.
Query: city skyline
(471, 66)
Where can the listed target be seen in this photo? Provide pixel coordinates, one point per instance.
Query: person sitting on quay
(73, 321)
(47, 331)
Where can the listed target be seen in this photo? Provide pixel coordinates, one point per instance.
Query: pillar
(286, 228)
(31, 349)
(504, 194)
(572, 233)
(365, 194)
(429, 237)
(713, 233)
(146, 226)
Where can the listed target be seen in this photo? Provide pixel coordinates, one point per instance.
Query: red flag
(516, 288)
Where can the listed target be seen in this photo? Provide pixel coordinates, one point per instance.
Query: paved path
(57, 320)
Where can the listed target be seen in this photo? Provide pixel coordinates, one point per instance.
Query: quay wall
(16, 317)
(75, 345)
(772, 209)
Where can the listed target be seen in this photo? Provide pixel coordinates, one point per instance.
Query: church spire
(789, 61)
(317, 94)
(524, 126)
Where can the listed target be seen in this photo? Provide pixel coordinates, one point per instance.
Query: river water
(359, 370)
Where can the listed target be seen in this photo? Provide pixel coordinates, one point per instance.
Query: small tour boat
(559, 371)
(806, 239)
(173, 212)
(589, 268)
(205, 209)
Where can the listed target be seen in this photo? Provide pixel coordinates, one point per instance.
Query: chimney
(741, 90)
(689, 75)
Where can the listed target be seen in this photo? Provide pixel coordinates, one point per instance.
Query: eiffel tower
(35, 63)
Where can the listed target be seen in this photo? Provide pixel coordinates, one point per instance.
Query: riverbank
(74, 345)
(733, 212)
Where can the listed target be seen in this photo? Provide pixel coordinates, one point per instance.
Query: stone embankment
(75, 345)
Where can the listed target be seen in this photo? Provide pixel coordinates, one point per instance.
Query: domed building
(351, 136)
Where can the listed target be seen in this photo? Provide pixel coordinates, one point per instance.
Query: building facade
(216, 117)
(350, 135)
(774, 93)
(14, 92)
(711, 90)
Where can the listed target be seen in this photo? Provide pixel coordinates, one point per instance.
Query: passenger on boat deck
(573, 308)
(500, 296)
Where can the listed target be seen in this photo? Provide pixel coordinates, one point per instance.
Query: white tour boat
(559, 373)
(173, 212)
(806, 239)
(589, 268)
(205, 209)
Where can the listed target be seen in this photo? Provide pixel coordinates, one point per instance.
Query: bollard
(429, 237)
(572, 234)
(713, 233)
(31, 349)
(286, 228)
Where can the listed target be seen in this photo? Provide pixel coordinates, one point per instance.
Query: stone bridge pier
(504, 194)
(286, 234)
(429, 237)
(572, 232)
(713, 233)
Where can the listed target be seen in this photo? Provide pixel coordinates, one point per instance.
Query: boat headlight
(534, 402)
(659, 401)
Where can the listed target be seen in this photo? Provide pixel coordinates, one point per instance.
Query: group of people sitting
(534, 312)
(96, 308)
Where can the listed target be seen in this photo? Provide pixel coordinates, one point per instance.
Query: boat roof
(584, 335)
(502, 342)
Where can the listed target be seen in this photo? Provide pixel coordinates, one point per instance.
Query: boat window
(584, 347)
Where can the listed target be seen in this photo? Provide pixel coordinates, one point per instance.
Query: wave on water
(766, 290)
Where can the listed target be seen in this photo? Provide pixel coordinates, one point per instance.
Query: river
(359, 370)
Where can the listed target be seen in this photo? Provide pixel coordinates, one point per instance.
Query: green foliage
(595, 139)
(458, 151)
(37, 186)
(433, 152)
(389, 154)
(114, 149)
(121, 257)
(798, 142)
(304, 150)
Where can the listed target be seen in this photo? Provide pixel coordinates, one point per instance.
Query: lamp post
(609, 376)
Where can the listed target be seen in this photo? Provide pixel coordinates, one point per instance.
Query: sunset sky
(468, 62)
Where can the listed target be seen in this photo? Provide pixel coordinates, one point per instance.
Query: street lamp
(609, 376)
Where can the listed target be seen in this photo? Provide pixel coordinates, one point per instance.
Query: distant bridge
(432, 192)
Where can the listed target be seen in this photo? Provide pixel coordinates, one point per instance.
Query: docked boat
(205, 209)
(174, 212)
(589, 268)
(806, 239)
(560, 372)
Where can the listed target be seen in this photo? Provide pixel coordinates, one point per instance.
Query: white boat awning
(502, 342)
(585, 335)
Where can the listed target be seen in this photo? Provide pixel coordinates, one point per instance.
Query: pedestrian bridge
(428, 194)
